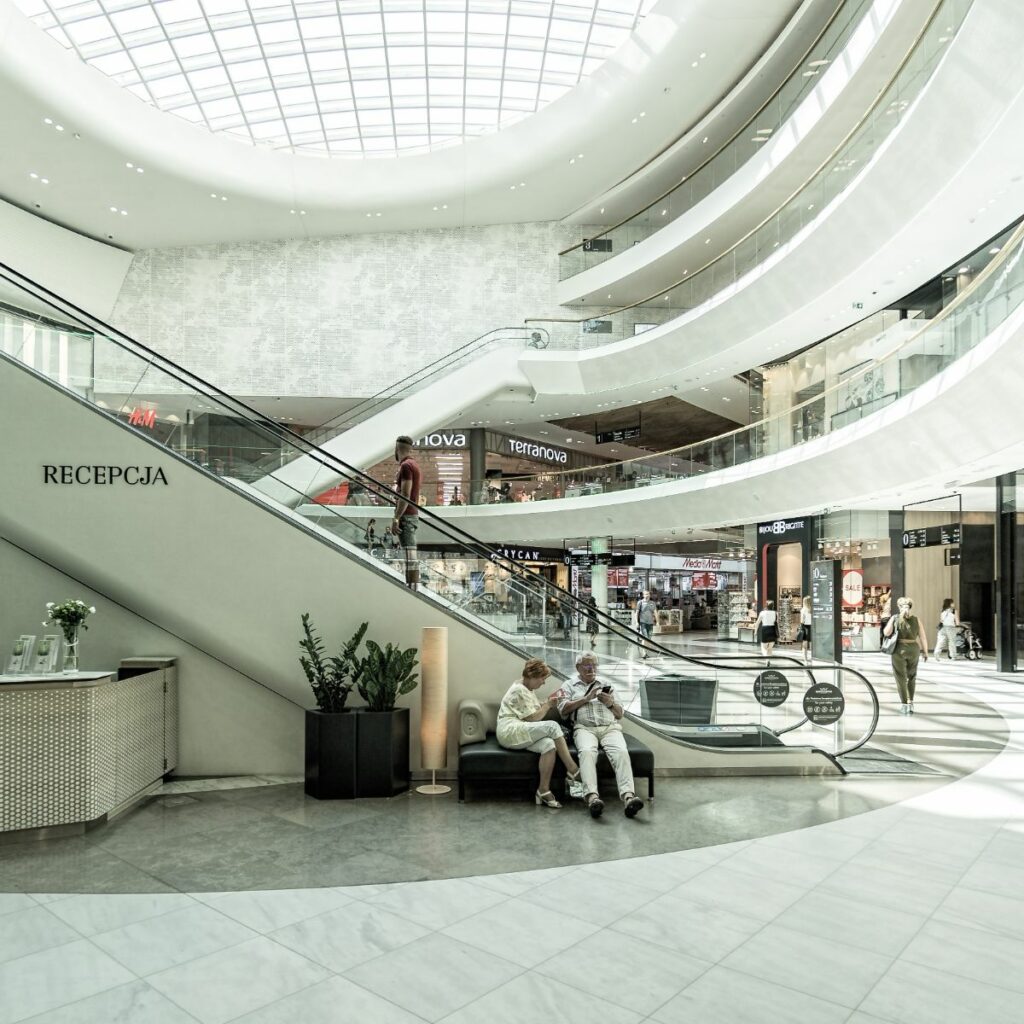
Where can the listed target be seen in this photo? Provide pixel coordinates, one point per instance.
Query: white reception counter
(77, 749)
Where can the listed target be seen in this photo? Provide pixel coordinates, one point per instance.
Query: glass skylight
(344, 77)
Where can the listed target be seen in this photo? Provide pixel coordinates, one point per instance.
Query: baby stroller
(967, 643)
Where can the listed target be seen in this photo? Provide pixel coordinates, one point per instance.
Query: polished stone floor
(908, 913)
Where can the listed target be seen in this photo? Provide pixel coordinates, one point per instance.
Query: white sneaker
(910, 708)
(904, 709)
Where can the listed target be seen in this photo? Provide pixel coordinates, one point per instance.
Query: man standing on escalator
(407, 511)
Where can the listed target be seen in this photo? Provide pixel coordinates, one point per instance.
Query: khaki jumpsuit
(906, 656)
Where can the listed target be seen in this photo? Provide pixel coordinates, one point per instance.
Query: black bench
(488, 761)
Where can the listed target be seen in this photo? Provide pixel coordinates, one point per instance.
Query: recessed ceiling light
(643, 113)
(129, 164)
(993, 250)
(138, 170)
(602, 209)
(32, 174)
(113, 209)
(817, 63)
(47, 120)
(964, 270)
(694, 64)
(724, 399)
(663, 212)
(703, 55)
(59, 127)
(707, 241)
(705, 139)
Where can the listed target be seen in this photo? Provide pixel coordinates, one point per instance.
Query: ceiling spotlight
(223, 199)
(705, 139)
(138, 170)
(129, 165)
(213, 195)
(45, 181)
(602, 209)
(59, 127)
(113, 209)
(47, 120)
(964, 270)
(694, 64)
(702, 56)
(993, 250)
(32, 174)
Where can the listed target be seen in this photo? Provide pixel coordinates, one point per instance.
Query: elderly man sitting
(591, 706)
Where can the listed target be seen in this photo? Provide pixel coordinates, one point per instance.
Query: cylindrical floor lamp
(434, 705)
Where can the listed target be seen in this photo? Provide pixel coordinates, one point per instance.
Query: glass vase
(71, 651)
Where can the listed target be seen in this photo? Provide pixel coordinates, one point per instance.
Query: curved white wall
(848, 87)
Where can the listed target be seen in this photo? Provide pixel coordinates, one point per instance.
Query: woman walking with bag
(948, 621)
(906, 643)
(804, 633)
(766, 630)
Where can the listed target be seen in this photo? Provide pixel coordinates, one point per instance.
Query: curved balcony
(710, 170)
(797, 215)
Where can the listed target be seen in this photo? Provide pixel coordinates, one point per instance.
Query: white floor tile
(578, 896)
(984, 910)
(224, 985)
(135, 1003)
(693, 928)
(436, 904)
(970, 953)
(93, 914)
(31, 931)
(334, 1001)
(659, 873)
(722, 996)
(436, 976)
(516, 883)
(894, 890)
(56, 977)
(842, 973)
(15, 901)
(628, 971)
(874, 928)
(742, 893)
(146, 947)
(911, 994)
(532, 997)
(520, 931)
(269, 909)
(350, 935)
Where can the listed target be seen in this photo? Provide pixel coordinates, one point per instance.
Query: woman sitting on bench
(521, 727)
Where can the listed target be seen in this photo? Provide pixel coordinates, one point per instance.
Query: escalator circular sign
(824, 704)
(771, 688)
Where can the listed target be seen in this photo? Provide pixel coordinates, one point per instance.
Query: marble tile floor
(907, 914)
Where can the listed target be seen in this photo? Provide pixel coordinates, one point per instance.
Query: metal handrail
(687, 277)
(728, 142)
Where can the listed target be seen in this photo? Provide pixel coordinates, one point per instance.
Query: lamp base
(433, 789)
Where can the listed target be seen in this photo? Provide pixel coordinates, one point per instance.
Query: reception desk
(77, 749)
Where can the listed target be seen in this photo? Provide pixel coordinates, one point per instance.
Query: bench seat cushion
(490, 760)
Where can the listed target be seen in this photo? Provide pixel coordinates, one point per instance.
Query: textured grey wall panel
(337, 316)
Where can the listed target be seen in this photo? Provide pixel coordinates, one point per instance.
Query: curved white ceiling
(351, 78)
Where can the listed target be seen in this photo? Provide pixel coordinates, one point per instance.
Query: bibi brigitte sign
(133, 476)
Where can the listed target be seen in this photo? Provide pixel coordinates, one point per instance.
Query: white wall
(229, 725)
(83, 271)
(340, 316)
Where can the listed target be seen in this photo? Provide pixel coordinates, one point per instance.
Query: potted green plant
(331, 729)
(382, 742)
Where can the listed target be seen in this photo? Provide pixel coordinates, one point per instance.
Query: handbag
(801, 633)
(889, 642)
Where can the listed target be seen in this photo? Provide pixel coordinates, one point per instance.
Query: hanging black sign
(824, 704)
(932, 536)
(771, 688)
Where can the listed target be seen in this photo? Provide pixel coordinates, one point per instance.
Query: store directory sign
(932, 536)
(826, 619)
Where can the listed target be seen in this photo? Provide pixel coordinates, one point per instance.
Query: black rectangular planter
(382, 752)
(331, 755)
(357, 753)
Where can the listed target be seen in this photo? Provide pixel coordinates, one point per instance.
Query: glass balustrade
(710, 171)
(918, 357)
(504, 598)
(697, 284)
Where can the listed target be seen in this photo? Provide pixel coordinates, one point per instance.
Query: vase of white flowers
(70, 616)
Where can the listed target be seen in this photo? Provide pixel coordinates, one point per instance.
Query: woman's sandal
(547, 799)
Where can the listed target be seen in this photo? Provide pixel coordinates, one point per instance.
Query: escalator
(109, 490)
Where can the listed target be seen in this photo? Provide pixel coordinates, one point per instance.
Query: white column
(599, 576)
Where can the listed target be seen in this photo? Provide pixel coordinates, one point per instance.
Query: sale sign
(853, 588)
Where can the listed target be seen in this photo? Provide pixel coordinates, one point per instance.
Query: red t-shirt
(409, 470)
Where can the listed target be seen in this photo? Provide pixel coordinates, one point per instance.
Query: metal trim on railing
(687, 277)
(721, 149)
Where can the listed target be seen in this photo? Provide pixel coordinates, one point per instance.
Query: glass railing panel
(831, 178)
(996, 293)
(712, 170)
